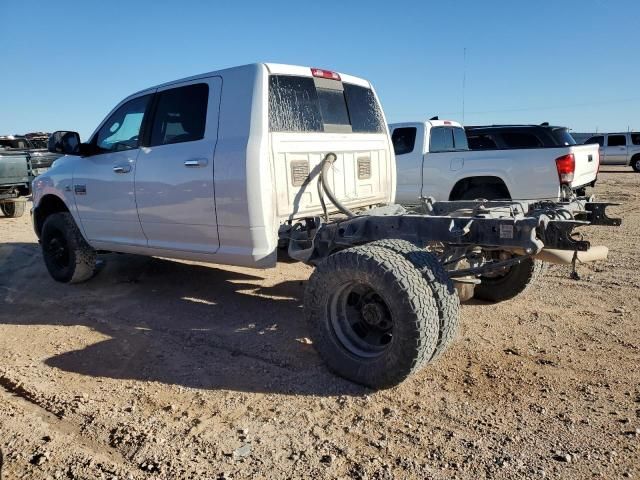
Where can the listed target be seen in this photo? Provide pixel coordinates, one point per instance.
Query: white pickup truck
(530, 162)
(226, 166)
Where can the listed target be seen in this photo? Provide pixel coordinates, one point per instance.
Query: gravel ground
(163, 369)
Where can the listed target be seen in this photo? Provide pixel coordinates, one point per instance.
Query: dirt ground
(162, 369)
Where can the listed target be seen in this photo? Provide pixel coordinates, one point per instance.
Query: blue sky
(573, 63)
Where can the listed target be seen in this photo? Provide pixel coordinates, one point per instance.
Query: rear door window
(447, 139)
(482, 142)
(599, 139)
(616, 141)
(459, 139)
(521, 140)
(441, 140)
(297, 105)
(635, 138)
(180, 115)
(404, 140)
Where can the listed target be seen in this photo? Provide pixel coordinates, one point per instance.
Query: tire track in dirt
(15, 392)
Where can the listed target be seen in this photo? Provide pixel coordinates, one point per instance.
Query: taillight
(566, 166)
(318, 72)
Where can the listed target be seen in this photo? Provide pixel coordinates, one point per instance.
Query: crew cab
(229, 166)
(439, 158)
(618, 148)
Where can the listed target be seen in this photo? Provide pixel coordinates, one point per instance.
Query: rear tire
(635, 163)
(516, 281)
(67, 255)
(372, 317)
(441, 286)
(13, 209)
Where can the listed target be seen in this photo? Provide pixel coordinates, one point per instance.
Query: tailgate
(14, 168)
(587, 161)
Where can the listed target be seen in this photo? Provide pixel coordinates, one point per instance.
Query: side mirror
(67, 143)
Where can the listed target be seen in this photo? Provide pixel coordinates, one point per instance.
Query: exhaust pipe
(565, 257)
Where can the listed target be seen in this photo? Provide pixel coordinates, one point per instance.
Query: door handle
(122, 168)
(196, 162)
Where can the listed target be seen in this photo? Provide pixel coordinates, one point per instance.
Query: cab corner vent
(299, 172)
(364, 168)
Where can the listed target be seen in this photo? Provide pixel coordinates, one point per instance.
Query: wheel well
(48, 205)
(490, 183)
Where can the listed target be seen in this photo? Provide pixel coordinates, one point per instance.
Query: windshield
(296, 104)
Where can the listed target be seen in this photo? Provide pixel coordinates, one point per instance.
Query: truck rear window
(297, 105)
(563, 137)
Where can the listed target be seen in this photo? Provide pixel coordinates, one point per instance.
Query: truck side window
(521, 140)
(404, 140)
(460, 139)
(599, 139)
(482, 142)
(441, 139)
(616, 141)
(180, 115)
(635, 138)
(121, 131)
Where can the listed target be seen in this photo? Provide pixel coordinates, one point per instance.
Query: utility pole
(464, 78)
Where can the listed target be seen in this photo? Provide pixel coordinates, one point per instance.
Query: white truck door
(615, 150)
(174, 186)
(103, 183)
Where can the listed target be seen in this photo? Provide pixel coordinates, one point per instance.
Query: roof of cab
(272, 68)
(432, 123)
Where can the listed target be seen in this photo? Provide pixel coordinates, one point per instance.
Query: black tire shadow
(176, 323)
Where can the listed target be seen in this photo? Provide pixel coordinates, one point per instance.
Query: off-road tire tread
(521, 277)
(13, 209)
(634, 163)
(441, 287)
(403, 285)
(84, 256)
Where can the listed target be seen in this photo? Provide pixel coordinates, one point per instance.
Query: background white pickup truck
(433, 159)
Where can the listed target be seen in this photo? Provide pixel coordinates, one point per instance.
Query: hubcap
(361, 320)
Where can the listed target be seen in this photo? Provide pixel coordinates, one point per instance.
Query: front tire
(67, 255)
(13, 209)
(515, 281)
(372, 317)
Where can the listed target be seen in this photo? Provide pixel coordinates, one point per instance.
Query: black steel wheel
(68, 257)
(372, 316)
